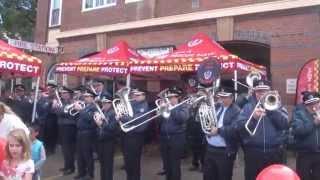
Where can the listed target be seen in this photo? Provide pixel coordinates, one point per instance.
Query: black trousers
(132, 150)
(50, 134)
(218, 164)
(173, 147)
(198, 153)
(308, 165)
(106, 154)
(85, 145)
(68, 136)
(256, 160)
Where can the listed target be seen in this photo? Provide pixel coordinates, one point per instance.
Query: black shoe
(78, 177)
(123, 167)
(68, 172)
(161, 173)
(62, 169)
(87, 177)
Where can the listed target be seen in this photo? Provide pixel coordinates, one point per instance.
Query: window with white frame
(96, 4)
(55, 13)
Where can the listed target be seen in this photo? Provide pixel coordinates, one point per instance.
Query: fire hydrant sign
(291, 86)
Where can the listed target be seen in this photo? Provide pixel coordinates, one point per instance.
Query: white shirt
(217, 140)
(9, 123)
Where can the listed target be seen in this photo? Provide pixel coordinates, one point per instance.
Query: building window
(96, 4)
(55, 13)
(132, 1)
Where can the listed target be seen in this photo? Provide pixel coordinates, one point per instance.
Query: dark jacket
(305, 132)
(228, 130)
(43, 110)
(176, 123)
(109, 128)
(23, 108)
(64, 118)
(86, 122)
(271, 132)
(138, 108)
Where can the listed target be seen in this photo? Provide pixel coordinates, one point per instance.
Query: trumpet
(270, 101)
(163, 109)
(99, 114)
(71, 110)
(121, 105)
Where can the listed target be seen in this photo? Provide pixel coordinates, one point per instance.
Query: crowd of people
(84, 121)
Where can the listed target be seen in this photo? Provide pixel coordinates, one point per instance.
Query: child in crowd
(18, 164)
(38, 153)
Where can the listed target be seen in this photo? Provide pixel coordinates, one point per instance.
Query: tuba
(270, 101)
(207, 111)
(121, 105)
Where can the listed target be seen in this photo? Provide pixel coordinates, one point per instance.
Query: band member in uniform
(47, 119)
(305, 128)
(67, 130)
(133, 141)
(21, 104)
(222, 141)
(266, 146)
(106, 132)
(99, 87)
(173, 135)
(86, 129)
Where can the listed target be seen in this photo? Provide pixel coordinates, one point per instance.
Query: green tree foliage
(17, 19)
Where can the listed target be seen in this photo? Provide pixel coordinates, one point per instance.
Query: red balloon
(277, 172)
(3, 143)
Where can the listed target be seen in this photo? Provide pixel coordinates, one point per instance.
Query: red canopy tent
(188, 56)
(113, 61)
(17, 63)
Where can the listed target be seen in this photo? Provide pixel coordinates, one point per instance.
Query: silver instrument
(250, 78)
(121, 105)
(270, 101)
(58, 98)
(71, 110)
(163, 109)
(99, 114)
(207, 112)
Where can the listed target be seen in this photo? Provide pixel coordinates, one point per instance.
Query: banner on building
(308, 78)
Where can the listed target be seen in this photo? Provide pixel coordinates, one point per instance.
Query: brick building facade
(280, 34)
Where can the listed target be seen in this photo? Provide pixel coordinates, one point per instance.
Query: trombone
(163, 109)
(58, 98)
(270, 101)
(250, 78)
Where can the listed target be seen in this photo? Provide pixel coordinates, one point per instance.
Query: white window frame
(50, 15)
(84, 9)
(132, 1)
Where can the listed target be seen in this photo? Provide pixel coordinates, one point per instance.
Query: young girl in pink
(18, 164)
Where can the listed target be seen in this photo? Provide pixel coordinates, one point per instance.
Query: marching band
(89, 120)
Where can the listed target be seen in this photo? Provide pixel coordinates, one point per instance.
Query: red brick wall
(42, 21)
(295, 39)
(74, 18)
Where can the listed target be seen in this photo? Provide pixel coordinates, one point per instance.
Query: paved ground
(151, 164)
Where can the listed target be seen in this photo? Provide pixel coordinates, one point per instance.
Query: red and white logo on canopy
(194, 42)
(113, 50)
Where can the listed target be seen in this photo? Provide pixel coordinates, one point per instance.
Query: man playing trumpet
(107, 128)
(67, 130)
(262, 131)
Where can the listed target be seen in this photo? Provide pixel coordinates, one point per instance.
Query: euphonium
(121, 105)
